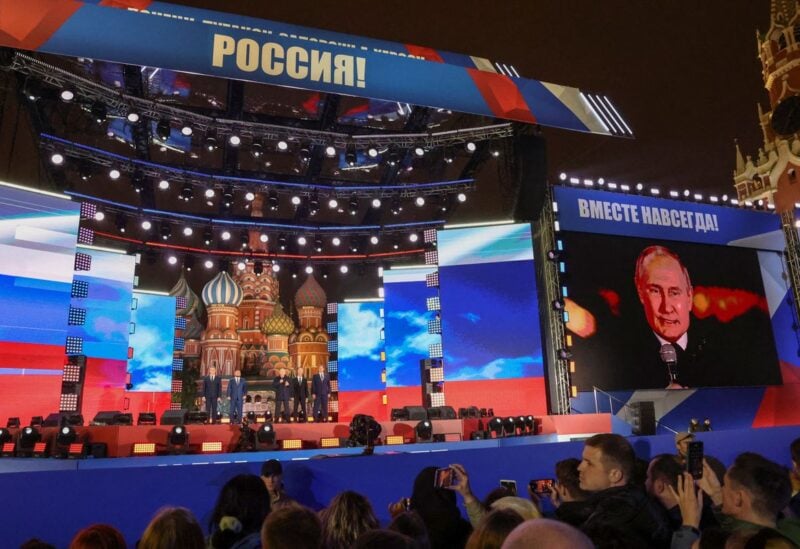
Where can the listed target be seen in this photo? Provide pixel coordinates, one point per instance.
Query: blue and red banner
(199, 41)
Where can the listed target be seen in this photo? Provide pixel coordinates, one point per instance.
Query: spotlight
(343, 269)
(114, 173)
(394, 156)
(530, 424)
(28, 439)
(318, 244)
(413, 237)
(226, 235)
(424, 431)
(166, 231)
(210, 193)
(330, 151)
(146, 225)
(419, 201)
(187, 192)
(350, 155)
(178, 440)
(301, 240)
(227, 196)
(276, 268)
(99, 111)
(210, 142)
(264, 237)
(353, 205)
(244, 238)
(496, 426)
(470, 146)
(372, 152)
(12, 423)
(495, 153)
(241, 265)
(208, 236)
(282, 241)
(462, 197)
(163, 129)
(448, 155)
(208, 264)
(163, 184)
(313, 204)
(249, 196)
(396, 206)
(373, 239)
(282, 145)
(121, 223)
(186, 130)
(419, 152)
(273, 200)
(336, 241)
(510, 426)
(57, 159)
(305, 151)
(364, 431)
(376, 202)
(296, 200)
(234, 140)
(265, 437)
(66, 436)
(188, 231)
(396, 243)
(309, 269)
(133, 117)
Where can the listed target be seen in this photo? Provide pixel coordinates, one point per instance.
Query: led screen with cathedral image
(360, 336)
(490, 314)
(152, 342)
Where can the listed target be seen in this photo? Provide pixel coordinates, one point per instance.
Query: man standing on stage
(283, 388)
(300, 390)
(237, 390)
(320, 389)
(212, 393)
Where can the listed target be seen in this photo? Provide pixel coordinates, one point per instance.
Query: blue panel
(360, 347)
(152, 343)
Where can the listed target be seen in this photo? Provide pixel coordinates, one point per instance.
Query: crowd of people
(607, 499)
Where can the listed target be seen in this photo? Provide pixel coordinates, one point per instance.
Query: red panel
(104, 386)
(779, 405)
(397, 397)
(429, 54)
(502, 95)
(19, 355)
(362, 402)
(32, 26)
(576, 424)
(26, 396)
(508, 397)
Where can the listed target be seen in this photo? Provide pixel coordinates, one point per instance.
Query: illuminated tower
(308, 345)
(191, 313)
(220, 344)
(260, 289)
(277, 329)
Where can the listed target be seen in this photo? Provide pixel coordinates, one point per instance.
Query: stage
(120, 439)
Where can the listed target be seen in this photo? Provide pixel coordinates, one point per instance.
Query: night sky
(684, 74)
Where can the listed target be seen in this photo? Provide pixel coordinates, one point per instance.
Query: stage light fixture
(353, 204)
(394, 156)
(166, 231)
(99, 111)
(172, 260)
(178, 440)
(376, 202)
(496, 426)
(373, 239)
(413, 237)
(558, 305)
(64, 439)
(462, 197)
(114, 174)
(208, 236)
(530, 424)
(133, 117)
(276, 268)
(188, 231)
(249, 196)
(343, 269)
(241, 265)
(419, 152)
(296, 200)
(210, 142)
(226, 235)
(146, 225)
(364, 430)
(163, 129)
(122, 223)
(163, 184)
(208, 264)
(282, 145)
(282, 241)
(639, 187)
(674, 194)
(372, 152)
(187, 192)
(396, 206)
(305, 151)
(330, 151)
(350, 155)
(13, 423)
(209, 193)
(424, 431)
(265, 437)
(57, 159)
(470, 146)
(273, 200)
(419, 201)
(318, 244)
(29, 437)
(244, 238)
(186, 130)
(301, 240)
(264, 237)
(564, 354)
(495, 153)
(227, 196)
(309, 269)
(333, 203)
(234, 140)
(396, 243)
(336, 241)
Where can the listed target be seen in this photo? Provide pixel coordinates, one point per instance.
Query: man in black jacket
(615, 505)
(283, 388)
(300, 393)
(212, 393)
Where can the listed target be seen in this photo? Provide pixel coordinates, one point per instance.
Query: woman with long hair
(348, 516)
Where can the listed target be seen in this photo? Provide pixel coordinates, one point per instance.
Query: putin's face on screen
(666, 295)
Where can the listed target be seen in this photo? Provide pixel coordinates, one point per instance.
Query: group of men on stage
(285, 388)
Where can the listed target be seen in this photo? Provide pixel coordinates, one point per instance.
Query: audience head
(173, 528)
(755, 489)
(608, 461)
(36, 543)
(98, 536)
(493, 529)
(241, 507)
(494, 495)
(567, 477)
(682, 441)
(794, 448)
(521, 506)
(384, 539)
(348, 516)
(410, 524)
(439, 512)
(272, 475)
(546, 533)
(292, 527)
(663, 472)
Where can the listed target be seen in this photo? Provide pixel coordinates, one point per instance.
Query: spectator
(546, 534)
(605, 470)
(98, 536)
(292, 527)
(172, 528)
(384, 539)
(682, 441)
(525, 508)
(439, 512)
(237, 517)
(493, 529)
(347, 517)
(410, 524)
(663, 473)
(36, 543)
(567, 494)
(272, 475)
(794, 477)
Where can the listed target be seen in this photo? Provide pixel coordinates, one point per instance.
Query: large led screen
(489, 309)
(360, 336)
(152, 342)
(650, 314)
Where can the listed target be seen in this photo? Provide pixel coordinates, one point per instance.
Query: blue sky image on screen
(153, 342)
(38, 235)
(360, 346)
(490, 316)
(406, 320)
(108, 305)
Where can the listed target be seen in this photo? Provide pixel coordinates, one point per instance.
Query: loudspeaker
(173, 417)
(416, 413)
(530, 154)
(105, 417)
(399, 414)
(202, 417)
(643, 417)
(97, 450)
(445, 412)
(58, 419)
(123, 419)
(434, 412)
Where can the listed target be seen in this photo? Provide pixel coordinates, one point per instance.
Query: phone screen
(511, 485)
(694, 459)
(444, 477)
(542, 485)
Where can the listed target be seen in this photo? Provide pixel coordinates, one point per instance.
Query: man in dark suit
(300, 391)
(320, 389)
(237, 390)
(212, 393)
(283, 389)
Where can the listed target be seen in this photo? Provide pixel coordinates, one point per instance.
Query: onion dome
(222, 290)
(193, 330)
(194, 307)
(310, 294)
(278, 323)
